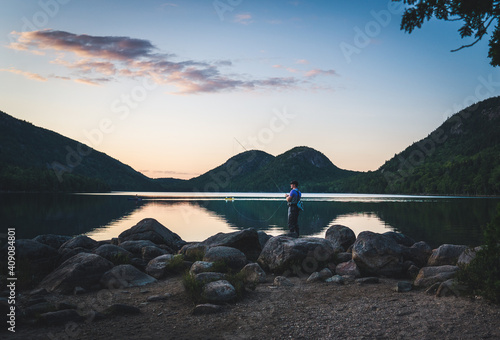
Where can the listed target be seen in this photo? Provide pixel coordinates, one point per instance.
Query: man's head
(294, 184)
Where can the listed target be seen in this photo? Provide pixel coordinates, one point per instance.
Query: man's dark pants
(293, 218)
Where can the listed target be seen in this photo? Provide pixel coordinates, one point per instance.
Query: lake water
(197, 216)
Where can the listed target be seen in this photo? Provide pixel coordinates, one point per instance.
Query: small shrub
(482, 275)
(194, 288)
(177, 264)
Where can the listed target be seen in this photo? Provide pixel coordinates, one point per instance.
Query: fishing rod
(272, 179)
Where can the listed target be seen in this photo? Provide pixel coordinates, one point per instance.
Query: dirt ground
(304, 311)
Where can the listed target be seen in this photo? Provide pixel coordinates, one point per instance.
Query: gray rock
(343, 257)
(68, 253)
(320, 276)
(80, 241)
(113, 253)
(253, 273)
(467, 256)
(84, 270)
(340, 236)
(39, 308)
(325, 273)
(54, 241)
(219, 292)
(403, 287)
(194, 251)
(60, 317)
(206, 308)
(412, 271)
(247, 241)
(376, 254)
(348, 268)
(281, 281)
(33, 259)
(296, 255)
(159, 266)
(151, 252)
(418, 253)
(314, 277)
(124, 276)
(431, 275)
(150, 229)
(207, 277)
(233, 258)
(135, 247)
(401, 239)
(450, 288)
(201, 267)
(263, 238)
(337, 279)
(447, 254)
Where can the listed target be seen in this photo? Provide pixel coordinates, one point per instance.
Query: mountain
(36, 159)
(461, 157)
(258, 171)
(306, 165)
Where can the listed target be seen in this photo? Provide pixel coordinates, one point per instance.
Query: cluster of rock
(149, 251)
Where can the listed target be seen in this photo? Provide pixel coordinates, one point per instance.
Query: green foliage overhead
(477, 16)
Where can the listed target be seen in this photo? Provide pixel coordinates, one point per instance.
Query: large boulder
(113, 253)
(467, 256)
(376, 254)
(124, 276)
(150, 229)
(247, 241)
(428, 276)
(447, 254)
(136, 247)
(348, 268)
(83, 270)
(401, 239)
(219, 292)
(233, 258)
(80, 241)
(283, 253)
(34, 260)
(418, 253)
(158, 267)
(253, 273)
(340, 236)
(54, 241)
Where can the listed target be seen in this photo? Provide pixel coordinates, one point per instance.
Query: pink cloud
(26, 74)
(100, 59)
(318, 72)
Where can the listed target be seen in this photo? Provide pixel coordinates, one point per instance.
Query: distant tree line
(14, 178)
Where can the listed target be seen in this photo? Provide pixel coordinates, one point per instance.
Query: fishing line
(277, 186)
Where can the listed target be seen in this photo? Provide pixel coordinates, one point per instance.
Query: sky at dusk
(175, 88)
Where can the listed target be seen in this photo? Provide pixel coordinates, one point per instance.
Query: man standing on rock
(293, 210)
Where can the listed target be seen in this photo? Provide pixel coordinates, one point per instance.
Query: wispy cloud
(101, 59)
(26, 74)
(302, 61)
(318, 72)
(244, 19)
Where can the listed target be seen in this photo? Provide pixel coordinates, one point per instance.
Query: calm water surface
(196, 216)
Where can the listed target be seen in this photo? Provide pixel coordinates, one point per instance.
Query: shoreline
(300, 288)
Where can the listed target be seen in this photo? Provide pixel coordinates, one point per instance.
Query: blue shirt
(295, 194)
